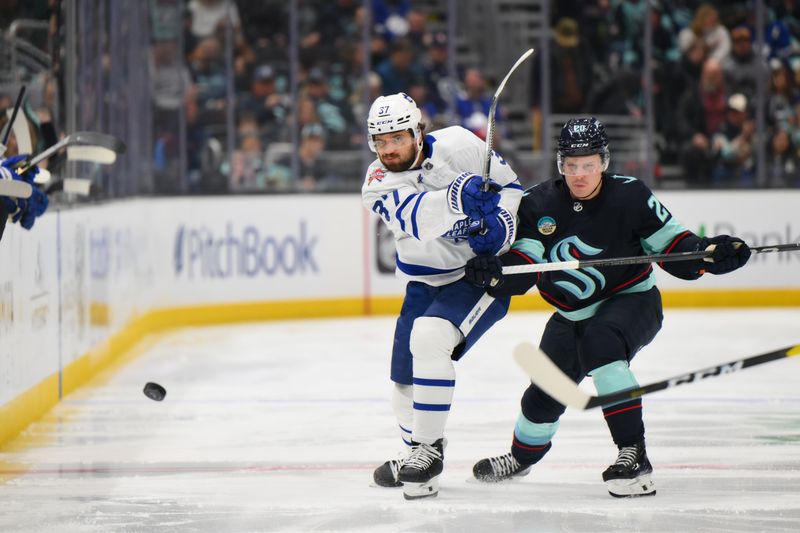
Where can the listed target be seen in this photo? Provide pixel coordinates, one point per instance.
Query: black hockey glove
(484, 271)
(729, 254)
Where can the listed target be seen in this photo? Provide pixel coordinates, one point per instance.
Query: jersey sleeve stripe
(398, 214)
(515, 185)
(414, 229)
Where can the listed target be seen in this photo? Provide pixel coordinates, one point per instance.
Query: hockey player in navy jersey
(425, 189)
(603, 315)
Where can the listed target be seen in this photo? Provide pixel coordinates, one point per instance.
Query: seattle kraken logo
(588, 283)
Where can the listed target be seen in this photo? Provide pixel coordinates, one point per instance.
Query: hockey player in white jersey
(425, 189)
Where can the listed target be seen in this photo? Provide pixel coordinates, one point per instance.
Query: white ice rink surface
(278, 426)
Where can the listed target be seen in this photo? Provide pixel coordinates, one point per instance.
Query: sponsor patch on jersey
(546, 225)
(376, 175)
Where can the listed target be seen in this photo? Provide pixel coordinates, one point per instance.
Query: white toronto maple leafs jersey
(430, 233)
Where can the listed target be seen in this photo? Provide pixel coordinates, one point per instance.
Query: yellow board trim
(793, 351)
(32, 404)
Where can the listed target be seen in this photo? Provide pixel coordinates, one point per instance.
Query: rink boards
(86, 284)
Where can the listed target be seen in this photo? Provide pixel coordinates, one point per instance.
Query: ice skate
(386, 474)
(629, 476)
(501, 468)
(419, 473)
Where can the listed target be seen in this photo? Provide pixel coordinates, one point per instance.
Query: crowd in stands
(706, 65)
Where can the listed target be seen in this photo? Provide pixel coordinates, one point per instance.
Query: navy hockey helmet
(583, 136)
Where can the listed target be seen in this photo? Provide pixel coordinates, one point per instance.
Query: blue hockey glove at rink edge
(481, 270)
(23, 210)
(466, 195)
(729, 254)
(498, 231)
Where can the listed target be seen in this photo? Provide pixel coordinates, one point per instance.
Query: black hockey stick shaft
(544, 373)
(718, 370)
(17, 105)
(635, 260)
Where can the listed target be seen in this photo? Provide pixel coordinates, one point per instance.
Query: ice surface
(278, 426)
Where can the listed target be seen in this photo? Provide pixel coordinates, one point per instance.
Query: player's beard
(401, 161)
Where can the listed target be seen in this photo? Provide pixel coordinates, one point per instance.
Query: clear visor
(398, 140)
(579, 166)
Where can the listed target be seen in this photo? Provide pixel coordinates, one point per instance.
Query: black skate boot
(629, 476)
(494, 469)
(386, 474)
(420, 471)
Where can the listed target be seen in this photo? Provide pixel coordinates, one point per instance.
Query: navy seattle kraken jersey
(625, 219)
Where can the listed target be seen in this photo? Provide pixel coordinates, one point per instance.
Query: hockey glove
(7, 170)
(729, 253)
(490, 237)
(23, 210)
(484, 271)
(466, 195)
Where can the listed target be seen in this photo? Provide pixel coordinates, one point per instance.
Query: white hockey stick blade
(548, 377)
(94, 154)
(78, 186)
(43, 177)
(15, 189)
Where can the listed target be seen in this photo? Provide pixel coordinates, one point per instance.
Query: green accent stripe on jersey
(658, 241)
(532, 248)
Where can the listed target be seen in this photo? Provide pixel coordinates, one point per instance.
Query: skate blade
(631, 488)
(417, 491)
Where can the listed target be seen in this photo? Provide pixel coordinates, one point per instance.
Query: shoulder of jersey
(453, 137)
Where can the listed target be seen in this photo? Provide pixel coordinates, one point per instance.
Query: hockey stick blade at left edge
(15, 188)
(547, 376)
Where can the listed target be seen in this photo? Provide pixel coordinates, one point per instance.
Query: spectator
(208, 14)
(630, 19)
(782, 161)
(743, 67)
(248, 172)
(265, 103)
(706, 26)
(733, 144)
(472, 105)
(701, 110)
(399, 70)
(391, 16)
(208, 71)
(334, 118)
(570, 74)
(782, 94)
(437, 73)
(312, 169)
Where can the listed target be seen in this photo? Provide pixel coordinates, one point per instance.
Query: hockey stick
(80, 138)
(17, 105)
(15, 188)
(635, 260)
(490, 118)
(548, 377)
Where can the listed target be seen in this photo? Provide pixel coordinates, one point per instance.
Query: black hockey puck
(154, 391)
